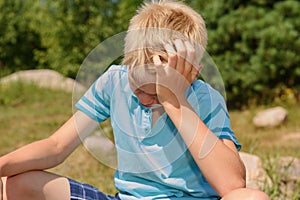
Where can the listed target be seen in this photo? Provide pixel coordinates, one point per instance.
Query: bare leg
(42, 185)
(246, 194)
(1, 187)
(37, 185)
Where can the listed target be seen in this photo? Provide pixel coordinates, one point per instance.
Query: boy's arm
(218, 159)
(49, 152)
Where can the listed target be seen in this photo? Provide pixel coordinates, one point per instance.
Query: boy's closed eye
(138, 91)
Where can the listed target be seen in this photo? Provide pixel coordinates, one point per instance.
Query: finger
(160, 68)
(181, 53)
(156, 60)
(195, 73)
(159, 65)
(198, 68)
(189, 59)
(200, 51)
(172, 57)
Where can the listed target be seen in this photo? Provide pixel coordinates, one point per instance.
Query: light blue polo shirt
(154, 162)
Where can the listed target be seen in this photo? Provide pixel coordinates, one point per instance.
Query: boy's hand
(178, 74)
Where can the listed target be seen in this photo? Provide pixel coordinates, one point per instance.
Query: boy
(172, 133)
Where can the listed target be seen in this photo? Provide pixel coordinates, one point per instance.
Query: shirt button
(147, 112)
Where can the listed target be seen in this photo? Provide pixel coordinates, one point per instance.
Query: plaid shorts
(80, 191)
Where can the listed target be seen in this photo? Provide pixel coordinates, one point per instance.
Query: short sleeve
(96, 101)
(213, 112)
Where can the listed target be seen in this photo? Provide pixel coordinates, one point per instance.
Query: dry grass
(28, 113)
(283, 140)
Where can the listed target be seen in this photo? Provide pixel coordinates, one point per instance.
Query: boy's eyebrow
(146, 92)
(151, 94)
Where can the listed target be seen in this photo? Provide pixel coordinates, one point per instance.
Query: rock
(290, 166)
(290, 170)
(45, 78)
(285, 174)
(255, 174)
(270, 117)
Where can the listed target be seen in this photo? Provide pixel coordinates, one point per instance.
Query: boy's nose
(146, 99)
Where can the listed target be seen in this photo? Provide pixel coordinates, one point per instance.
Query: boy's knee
(37, 185)
(21, 184)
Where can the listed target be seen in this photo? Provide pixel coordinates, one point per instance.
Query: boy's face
(144, 90)
(147, 95)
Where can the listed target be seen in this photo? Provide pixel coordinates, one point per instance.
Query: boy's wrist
(175, 102)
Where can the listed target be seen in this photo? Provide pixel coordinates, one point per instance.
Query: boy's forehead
(149, 88)
(140, 77)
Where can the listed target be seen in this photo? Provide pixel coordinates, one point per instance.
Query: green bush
(18, 39)
(255, 43)
(256, 46)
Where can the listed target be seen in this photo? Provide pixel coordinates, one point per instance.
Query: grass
(29, 113)
(282, 184)
(268, 141)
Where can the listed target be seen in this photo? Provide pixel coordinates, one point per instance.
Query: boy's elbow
(235, 184)
(236, 181)
(239, 183)
(57, 151)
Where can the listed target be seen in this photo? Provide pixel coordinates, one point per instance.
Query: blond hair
(158, 23)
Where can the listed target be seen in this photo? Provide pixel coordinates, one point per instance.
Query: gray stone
(290, 170)
(290, 166)
(45, 78)
(270, 117)
(286, 172)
